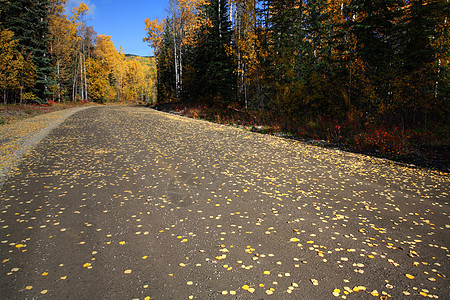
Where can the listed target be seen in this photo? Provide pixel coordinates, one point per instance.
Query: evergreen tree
(213, 67)
(28, 19)
(374, 25)
(166, 85)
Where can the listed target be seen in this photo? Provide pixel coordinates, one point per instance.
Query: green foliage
(213, 77)
(149, 61)
(29, 21)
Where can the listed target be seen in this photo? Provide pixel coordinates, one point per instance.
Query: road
(131, 203)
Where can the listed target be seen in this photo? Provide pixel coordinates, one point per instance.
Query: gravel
(20, 137)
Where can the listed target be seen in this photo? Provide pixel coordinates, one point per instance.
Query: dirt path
(131, 203)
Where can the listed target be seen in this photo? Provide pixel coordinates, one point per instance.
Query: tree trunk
(85, 77)
(81, 77)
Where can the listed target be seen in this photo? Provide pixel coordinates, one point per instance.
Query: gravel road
(132, 203)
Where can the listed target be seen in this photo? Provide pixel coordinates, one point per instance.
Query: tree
(246, 44)
(29, 21)
(374, 25)
(97, 80)
(63, 50)
(213, 76)
(420, 86)
(11, 61)
(84, 43)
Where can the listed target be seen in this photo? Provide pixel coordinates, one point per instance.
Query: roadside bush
(379, 140)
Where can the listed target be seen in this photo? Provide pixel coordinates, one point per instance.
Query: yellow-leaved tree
(112, 62)
(16, 72)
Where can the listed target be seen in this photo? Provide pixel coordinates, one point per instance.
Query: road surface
(131, 203)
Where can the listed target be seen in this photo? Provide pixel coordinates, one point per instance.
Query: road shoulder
(18, 138)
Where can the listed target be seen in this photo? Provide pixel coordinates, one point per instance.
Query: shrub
(379, 140)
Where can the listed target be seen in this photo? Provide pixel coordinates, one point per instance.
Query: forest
(372, 75)
(50, 55)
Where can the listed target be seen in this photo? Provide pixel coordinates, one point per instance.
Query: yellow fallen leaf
(28, 287)
(266, 272)
(127, 271)
(43, 292)
(189, 283)
(63, 278)
(44, 274)
(86, 265)
(359, 288)
(251, 290)
(122, 243)
(245, 287)
(409, 276)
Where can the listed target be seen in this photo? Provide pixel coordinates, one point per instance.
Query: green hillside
(144, 60)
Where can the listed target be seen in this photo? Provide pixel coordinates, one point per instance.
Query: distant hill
(145, 60)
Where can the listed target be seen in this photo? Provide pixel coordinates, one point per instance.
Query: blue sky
(123, 20)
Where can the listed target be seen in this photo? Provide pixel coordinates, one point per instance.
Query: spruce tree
(213, 67)
(374, 24)
(28, 19)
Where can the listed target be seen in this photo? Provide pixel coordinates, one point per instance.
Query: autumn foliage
(72, 63)
(364, 73)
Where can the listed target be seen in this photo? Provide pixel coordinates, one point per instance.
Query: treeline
(357, 61)
(47, 54)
